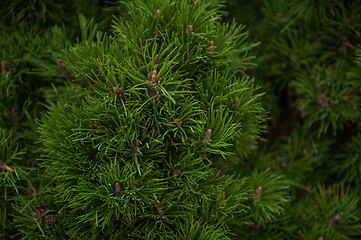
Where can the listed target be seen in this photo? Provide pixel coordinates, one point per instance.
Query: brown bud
(155, 33)
(223, 197)
(158, 12)
(210, 46)
(329, 190)
(154, 76)
(237, 103)
(4, 69)
(343, 47)
(258, 191)
(190, 27)
(35, 216)
(256, 228)
(177, 172)
(207, 137)
(323, 100)
(178, 123)
(279, 15)
(321, 238)
(118, 189)
(15, 114)
(345, 22)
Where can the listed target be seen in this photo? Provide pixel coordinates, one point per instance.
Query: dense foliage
(169, 120)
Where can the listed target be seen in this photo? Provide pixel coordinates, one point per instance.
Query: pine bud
(158, 12)
(258, 192)
(15, 114)
(155, 33)
(210, 46)
(4, 69)
(118, 189)
(35, 217)
(190, 27)
(223, 196)
(323, 101)
(345, 22)
(237, 103)
(279, 15)
(177, 172)
(154, 76)
(178, 123)
(207, 137)
(63, 68)
(256, 228)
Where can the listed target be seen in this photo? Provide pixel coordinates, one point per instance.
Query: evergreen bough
(152, 129)
(137, 155)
